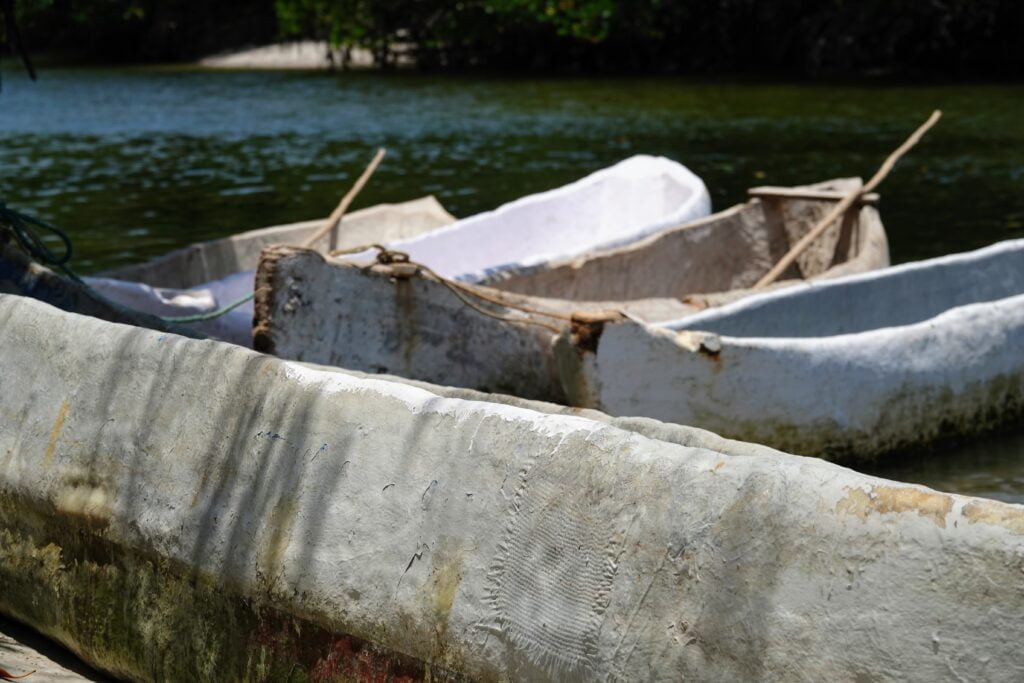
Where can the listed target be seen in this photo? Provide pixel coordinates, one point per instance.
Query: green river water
(134, 162)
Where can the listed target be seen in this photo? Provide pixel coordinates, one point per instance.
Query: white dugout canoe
(174, 509)
(614, 206)
(388, 319)
(846, 369)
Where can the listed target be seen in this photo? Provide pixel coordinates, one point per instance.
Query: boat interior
(728, 250)
(205, 262)
(897, 296)
(578, 218)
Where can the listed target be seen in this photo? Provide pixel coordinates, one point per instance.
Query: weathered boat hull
(204, 277)
(269, 521)
(380, 321)
(391, 319)
(849, 369)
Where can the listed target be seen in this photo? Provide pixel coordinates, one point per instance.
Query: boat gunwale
(122, 271)
(815, 287)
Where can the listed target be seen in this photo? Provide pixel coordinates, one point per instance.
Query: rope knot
(386, 256)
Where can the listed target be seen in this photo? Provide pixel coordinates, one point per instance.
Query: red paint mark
(265, 636)
(6, 675)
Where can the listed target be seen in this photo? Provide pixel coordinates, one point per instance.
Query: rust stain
(696, 301)
(569, 360)
(405, 321)
(895, 499)
(586, 328)
(995, 513)
(58, 425)
(265, 290)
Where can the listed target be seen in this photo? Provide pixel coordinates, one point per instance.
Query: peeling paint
(704, 343)
(988, 512)
(896, 500)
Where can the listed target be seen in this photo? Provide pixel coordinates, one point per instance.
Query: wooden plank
(798, 193)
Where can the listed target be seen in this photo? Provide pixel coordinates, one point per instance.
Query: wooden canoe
(396, 320)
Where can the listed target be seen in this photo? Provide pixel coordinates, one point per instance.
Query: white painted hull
(378, 320)
(190, 510)
(615, 206)
(851, 368)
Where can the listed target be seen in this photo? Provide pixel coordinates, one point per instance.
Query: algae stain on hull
(58, 426)
(140, 616)
(282, 522)
(444, 585)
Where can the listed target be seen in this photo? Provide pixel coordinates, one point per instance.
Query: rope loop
(29, 232)
(384, 255)
(470, 296)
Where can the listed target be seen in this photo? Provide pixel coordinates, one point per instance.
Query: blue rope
(26, 230)
(200, 317)
(30, 240)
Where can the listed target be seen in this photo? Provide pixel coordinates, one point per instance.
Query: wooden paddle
(845, 203)
(334, 220)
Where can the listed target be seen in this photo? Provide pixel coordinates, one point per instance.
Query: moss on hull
(942, 419)
(145, 617)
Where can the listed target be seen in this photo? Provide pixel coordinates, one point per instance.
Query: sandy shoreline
(303, 54)
(23, 650)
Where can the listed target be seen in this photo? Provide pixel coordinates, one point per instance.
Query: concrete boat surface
(203, 277)
(388, 319)
(852, 368)
(174, 509)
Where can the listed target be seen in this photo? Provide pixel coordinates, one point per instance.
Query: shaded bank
(796, 37)
(128, 31)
